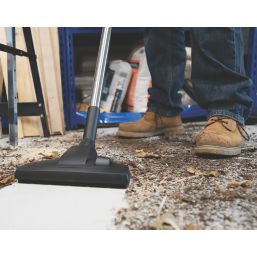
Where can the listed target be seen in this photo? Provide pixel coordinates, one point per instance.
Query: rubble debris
(199, 195)
(164, 183)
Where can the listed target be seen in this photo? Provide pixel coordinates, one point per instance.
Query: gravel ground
(171, 188)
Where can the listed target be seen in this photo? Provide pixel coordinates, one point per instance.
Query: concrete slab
(26, 206)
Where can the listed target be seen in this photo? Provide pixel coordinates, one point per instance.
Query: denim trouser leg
(166, 57)
(218, 73)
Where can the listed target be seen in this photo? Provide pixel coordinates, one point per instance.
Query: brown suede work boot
(221, 136)
(151, 124)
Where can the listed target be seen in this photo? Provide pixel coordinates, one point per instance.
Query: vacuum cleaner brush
(51, 172)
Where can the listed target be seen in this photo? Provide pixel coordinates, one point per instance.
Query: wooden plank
(56, 51)
(25, 87)
(3, 62)
(50, 78)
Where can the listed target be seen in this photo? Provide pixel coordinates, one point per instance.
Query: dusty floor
(171, 188)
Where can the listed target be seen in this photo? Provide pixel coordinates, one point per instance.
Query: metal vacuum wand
(101, 67)
(93, 110)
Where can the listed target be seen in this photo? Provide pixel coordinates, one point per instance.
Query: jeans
(218, 74)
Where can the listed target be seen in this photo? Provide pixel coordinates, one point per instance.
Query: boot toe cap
(215, 140)
(126, 126)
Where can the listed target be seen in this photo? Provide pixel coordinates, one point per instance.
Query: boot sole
(217, 150)
(172, 130)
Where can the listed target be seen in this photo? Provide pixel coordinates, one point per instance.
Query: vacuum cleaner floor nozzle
(52, 172)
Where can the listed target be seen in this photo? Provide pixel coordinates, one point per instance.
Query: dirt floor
(171, 188)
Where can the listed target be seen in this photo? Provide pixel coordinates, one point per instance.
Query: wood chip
(193, 227)
(132, 164)
(7, 180)
(49, 156)
(183, 198)
(142, 154)
(228, 195)
(166, 221)
(243, 183)
(99, 147)
(197, 172)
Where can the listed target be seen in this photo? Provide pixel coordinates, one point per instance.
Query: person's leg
(218, 72)
(221, 86)
(166, 57)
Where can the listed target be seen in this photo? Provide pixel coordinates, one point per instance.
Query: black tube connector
(91, 123)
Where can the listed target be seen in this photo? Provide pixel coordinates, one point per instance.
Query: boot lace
(223, 121)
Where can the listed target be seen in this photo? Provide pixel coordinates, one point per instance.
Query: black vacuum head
(53, 173)
(78, 166)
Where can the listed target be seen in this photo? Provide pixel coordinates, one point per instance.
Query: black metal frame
(30, 108)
